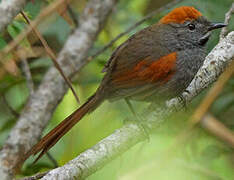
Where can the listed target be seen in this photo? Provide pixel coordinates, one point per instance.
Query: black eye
(191, 27)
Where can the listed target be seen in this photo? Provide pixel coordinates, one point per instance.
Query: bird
(156, 63)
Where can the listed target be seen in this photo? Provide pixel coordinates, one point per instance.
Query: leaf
(15, 29)
(8, 125)
(2, 43)
(8, 82)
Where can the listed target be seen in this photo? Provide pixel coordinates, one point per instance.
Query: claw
(183, 102)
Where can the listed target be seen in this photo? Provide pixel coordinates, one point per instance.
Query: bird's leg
(138, 120)
(130, 106)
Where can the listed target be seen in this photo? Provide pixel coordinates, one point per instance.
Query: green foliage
(3, 43)
(203, 157)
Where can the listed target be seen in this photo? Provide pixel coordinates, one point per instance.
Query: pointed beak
(203, 40)
(216, 26)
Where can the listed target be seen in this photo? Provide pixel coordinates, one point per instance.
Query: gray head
(189, 26)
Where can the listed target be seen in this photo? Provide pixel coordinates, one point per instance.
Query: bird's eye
(191, 27)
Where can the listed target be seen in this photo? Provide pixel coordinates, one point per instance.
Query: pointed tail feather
(61, 129)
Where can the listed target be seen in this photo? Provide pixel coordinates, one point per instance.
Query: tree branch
(28, 75)
(218, 129)
(130, 134)
(41, 105)
(8, 10)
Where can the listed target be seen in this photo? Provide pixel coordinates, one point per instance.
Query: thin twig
(147, 17)
(63, 12)
(228, 16)
(31, 89)
(218, 129)
(51, 55)
(28, 76)
(72, 15)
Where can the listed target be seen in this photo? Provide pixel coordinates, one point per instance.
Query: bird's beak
(216, 26)
(203, 40)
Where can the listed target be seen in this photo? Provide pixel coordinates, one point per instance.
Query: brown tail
(60, 130)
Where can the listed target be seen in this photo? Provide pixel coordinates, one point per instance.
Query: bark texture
(8, 10)
(42, 103)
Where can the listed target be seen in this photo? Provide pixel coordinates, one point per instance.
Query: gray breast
(188, 63)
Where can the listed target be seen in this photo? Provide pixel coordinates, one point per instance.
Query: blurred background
(203, 156)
